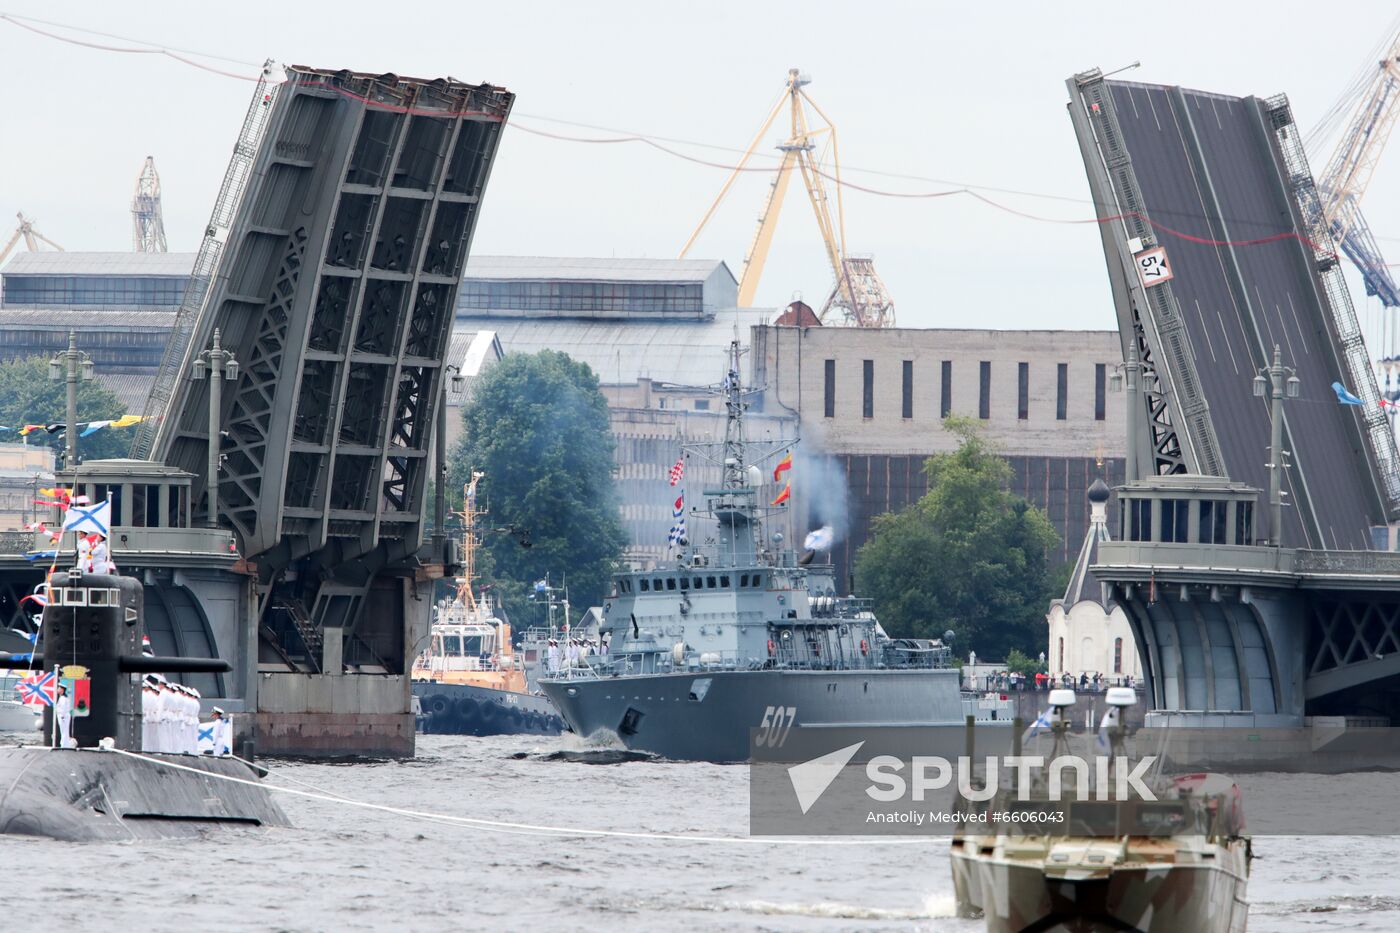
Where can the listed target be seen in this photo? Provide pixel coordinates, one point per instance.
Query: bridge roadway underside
(1208, 168)
(1272, 635)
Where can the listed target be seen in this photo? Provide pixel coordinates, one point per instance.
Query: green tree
(969, 556)
(28, 397)
(1020, 663)
(537, 426)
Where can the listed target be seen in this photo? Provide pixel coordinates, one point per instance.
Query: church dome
(1099, 492)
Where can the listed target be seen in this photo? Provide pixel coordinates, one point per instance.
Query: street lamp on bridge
(71, 366)
(455, 384)
(220, 365)
(1130, 371)
(1276, 382)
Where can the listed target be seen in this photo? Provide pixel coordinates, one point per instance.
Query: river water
(347, 868)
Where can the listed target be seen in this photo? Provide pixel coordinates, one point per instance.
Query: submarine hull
(88, 795)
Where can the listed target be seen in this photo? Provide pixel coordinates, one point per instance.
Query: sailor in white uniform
(165, 716)
(553, 655)
(63, 714)
(150, 696)
(223, 733)
(102, 556)
(192, 737)
(187, 729)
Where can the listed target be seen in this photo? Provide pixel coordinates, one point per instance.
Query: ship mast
(733, 503)
(471, 540)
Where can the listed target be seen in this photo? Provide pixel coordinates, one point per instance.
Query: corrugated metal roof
(588, 269)
(478, 267)
(131, 388)
(687, 352)
(470, 351)
(104, 317)
(147, 264)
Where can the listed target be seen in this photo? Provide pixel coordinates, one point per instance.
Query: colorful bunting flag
(783, 496)
(1345, 397)
(678, 471)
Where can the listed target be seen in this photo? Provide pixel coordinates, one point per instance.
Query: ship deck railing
(801, 658)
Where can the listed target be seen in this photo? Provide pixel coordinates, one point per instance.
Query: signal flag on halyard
(678, 471)
(677, 535)
(783, 496)
(783, 466)
(38, 689)
(679, 508)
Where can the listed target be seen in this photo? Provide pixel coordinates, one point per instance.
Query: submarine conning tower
(94, 621)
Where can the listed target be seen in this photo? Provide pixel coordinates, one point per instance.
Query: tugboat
(1180, 862)
(734, 636)
(470, 680)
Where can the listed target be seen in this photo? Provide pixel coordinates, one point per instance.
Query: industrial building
(873, 402)
(656, 332)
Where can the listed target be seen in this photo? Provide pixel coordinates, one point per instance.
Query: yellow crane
(32, 238)
(1375, 101)
(859, 297)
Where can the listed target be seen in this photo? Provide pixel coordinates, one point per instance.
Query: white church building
(1088, 633)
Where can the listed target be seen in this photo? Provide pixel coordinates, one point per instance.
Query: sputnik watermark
(1114, 778)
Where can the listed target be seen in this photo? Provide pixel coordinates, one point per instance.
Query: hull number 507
(777, 723)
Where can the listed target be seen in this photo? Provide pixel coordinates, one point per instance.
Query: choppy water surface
(345, 868)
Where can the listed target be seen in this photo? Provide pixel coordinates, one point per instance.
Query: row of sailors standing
(170, 721)
(573, 652)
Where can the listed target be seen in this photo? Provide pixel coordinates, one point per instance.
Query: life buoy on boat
(771, 648)
(864, 646)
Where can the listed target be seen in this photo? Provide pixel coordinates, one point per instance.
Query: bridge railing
(206, 264)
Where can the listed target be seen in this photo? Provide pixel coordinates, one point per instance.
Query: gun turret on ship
(737, 635)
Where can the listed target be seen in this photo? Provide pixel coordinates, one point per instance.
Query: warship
(736, 635)
(1179, 862)
(470, 680)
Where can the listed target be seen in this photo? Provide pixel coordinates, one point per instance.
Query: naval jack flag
(89, 519)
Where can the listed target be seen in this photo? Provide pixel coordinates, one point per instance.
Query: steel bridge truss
(333, 283)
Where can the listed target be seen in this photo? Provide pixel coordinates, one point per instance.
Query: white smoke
(820, 540)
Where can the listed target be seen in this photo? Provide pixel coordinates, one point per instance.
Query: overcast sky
(967, 93)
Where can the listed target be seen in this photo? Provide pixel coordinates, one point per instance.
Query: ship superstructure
(738, 632)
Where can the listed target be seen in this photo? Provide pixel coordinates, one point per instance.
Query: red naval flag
(783, 496)
(783, 466)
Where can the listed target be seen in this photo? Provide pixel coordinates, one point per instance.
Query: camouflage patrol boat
(1179, 862)
(737, 635)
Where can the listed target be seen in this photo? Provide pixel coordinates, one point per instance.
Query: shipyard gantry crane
(147, 226)
(1342, 185)
(858, 295)
(32, 238)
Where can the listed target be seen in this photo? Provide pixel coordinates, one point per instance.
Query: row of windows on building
(671, 584)
(1117, 655)
(581, 296)
(1217, 521)
(984, 395)
(47, 291)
